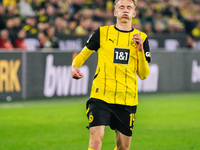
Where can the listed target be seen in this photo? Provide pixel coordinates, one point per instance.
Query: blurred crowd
(47, 18)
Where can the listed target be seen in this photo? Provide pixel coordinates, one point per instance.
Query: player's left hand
(138, 41)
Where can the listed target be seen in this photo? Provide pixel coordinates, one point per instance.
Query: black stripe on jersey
(97, 74)
(105, 79)
(107, 33)
(126, 85)
(129, 38)
(115, 85)
(94, 42)
(117, 38)
(135, 88)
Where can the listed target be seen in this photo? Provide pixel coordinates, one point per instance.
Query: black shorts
(116, 116)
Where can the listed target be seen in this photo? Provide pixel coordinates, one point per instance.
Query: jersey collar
(123, 30)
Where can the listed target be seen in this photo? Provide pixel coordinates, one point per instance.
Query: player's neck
(123, 26)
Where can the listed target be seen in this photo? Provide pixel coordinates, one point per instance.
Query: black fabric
(93, 42)
(113, 115)
(147, 50)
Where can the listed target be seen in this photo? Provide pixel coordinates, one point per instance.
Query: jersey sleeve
(147, 50)
(93, 42)
(82, 57)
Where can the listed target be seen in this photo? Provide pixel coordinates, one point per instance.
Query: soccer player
(123, 53)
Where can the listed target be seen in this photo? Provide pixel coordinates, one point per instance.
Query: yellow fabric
(117, 83)
(82, 57)
(115, 148)
(88, 110)
(90, 149)
(143, 67)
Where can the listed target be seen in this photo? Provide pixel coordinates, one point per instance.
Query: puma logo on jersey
(112, 40)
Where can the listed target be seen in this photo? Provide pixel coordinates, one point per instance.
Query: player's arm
(79, 61)
(142, 67)
(91, 46)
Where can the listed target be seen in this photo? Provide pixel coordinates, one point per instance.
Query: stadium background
(41, 107)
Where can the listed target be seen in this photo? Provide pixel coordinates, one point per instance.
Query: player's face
(124, 10)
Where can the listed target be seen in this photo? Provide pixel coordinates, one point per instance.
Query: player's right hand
(76, 73)
(138, 42)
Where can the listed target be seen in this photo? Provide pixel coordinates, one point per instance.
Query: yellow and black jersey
(94, 41)
(115, 80)
(119, 63)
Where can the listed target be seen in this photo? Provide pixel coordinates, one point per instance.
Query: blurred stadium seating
(82, 17)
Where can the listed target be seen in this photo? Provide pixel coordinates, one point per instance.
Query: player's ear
(115, 13)
(134, 13)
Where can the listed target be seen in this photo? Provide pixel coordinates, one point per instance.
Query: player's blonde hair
(134, 2)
